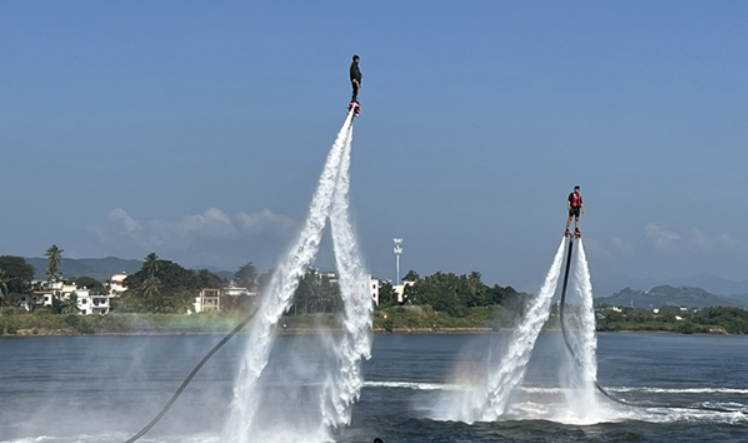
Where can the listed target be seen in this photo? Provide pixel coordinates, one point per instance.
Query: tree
(54, 255)
(162, 286)
(95, 286)
(152, 264)
(387, 295)
(18, 274)
(152, 294)
(475, 294)
(207, 279)
(3, 286)
(246, 276)
(72, 305)
(411, 276)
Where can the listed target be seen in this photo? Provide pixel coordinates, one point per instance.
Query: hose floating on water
(192, 374)
(579, 363)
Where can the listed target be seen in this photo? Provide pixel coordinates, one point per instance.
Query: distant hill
(709, 282)
(99, 268)
(660, 296)
(741, 297)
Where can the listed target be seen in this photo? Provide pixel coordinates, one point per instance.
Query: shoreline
(313, 331)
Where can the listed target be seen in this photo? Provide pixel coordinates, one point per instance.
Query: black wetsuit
(575, 206)
(355, 75)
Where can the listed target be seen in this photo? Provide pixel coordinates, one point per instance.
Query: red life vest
(576, 200)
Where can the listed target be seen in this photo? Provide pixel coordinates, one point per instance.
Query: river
(106, 388)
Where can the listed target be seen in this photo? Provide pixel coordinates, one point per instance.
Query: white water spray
(328, 201)
(488, 400)
(580, 373)
(343, 386)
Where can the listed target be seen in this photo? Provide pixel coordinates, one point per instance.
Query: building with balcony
(208, 300)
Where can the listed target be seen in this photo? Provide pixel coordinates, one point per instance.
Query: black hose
(579, 363)
(189, 378)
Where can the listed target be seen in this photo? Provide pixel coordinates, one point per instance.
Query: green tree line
(731, 320)
(454, 294)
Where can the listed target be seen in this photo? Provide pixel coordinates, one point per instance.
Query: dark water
(104, 389)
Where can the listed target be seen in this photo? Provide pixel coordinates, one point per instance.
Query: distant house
(117, 284)
(62, 289)
(92, 303)
(208, 300)
(400, 290)
(374, 289)
(37, 299)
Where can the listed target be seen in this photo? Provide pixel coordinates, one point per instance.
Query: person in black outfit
(355, 78)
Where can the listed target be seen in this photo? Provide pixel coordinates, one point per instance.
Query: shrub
(73, 320)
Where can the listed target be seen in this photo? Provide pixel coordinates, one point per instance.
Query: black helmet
(355, 56)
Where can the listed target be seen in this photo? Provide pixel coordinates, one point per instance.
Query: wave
(648, 390)
(412, 385)
(424, 386)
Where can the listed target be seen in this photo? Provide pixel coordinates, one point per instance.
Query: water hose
(192, 374)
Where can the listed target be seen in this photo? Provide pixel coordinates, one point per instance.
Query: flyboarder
(356, 77)
(574, 204)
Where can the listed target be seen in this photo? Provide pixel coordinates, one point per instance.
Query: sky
(198, 130)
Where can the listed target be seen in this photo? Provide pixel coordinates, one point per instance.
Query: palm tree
(152, 264)
(54, 254)
(71, 307)
(151, 292)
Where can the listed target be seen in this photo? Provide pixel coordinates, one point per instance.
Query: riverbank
(393, 320)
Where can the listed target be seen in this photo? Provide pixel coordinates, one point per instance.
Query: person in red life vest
(574, 205)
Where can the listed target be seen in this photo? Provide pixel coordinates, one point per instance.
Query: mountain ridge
(665, 295)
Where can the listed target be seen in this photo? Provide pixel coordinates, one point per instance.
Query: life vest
(576, 200)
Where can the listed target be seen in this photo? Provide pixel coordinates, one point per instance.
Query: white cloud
(661, 238)
(262, 221)
(687, 240)
(213, 224)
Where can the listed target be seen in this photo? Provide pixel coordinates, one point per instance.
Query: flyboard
(356, 106)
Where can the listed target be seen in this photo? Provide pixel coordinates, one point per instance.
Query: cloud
(212, 225)
(686, 240)
(660, 238)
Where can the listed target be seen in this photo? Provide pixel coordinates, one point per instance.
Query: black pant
(354, 97)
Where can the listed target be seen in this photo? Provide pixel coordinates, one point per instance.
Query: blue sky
(198, 130)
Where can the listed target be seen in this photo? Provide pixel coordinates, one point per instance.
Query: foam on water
(579, 373)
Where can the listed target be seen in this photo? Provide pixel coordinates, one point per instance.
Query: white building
(37, 299)
(92, 303)
(208, 300)
(400, 290)
(117, 284)
(374, 288)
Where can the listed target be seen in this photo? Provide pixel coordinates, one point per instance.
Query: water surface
(104, 389)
